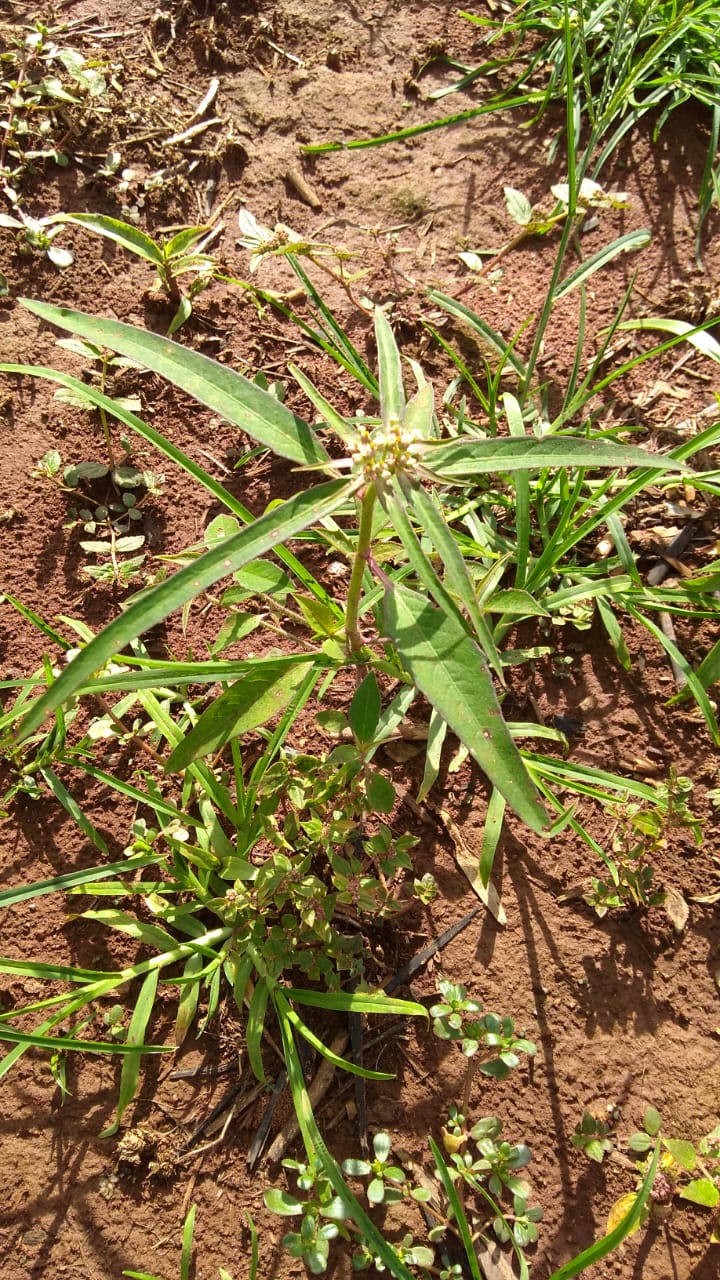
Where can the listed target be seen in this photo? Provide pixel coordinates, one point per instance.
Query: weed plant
(251, 876)
(255, 868)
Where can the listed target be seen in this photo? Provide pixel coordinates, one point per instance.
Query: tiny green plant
(38, 235)
(593, 1134)
(111, 502)
(686, 1171)
(641, 831)
(51, 91)
(184, 254)
(487, 1041)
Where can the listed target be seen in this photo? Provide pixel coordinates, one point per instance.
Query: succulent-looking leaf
(449, 669)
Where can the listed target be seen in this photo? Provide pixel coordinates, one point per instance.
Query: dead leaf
(494, 1264)
(676, 908)
(469, 864)
(620, 1210)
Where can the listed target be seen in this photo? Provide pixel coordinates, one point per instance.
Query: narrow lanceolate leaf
(251, 701)
(629, 243)
(221, 389)
(135, 1036)
(271, 529)
(131, 238)
(697, 337)
(357, 1002)
(465, 457)
(315, 1147)
(448, 668)
(392, 392)
(327, 1052)
(72, 879)
(31, 1038)
(629, 1223)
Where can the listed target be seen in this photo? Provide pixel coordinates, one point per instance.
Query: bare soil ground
(625, 1012)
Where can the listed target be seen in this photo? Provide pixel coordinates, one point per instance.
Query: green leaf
(470, 457)
(282, 1202)
(316, 1148)
(236, 627)
(357, 1002)
(518, 206)
(365, 710)
(448, 668)
(187, 1240)
(629, 243)
(380, 792)
(11, 1036)
(437, 731)
(629, 1223)
(514, 600)
(131, 238)
(323, 620)
(189, 997)
(392, 392)
(255, 1025)
(73, 879)
(652, 1121)
(221, 389)
(326, 1052)
(491, 834)
(456, 1204)
(682, 1152)
(698, 338)
(251, 701)
(701, 1191)
(640, 1142)
(268, 531)
(135, 1035)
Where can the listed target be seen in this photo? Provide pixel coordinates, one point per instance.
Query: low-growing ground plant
(687, 1171)
(641, 832)
(265, 866)
(173, 257)
(50, 90)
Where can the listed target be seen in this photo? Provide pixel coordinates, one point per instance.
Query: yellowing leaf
(620, 1210)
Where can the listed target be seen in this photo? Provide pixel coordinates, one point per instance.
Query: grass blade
(326, 1052)
(187, 1242)
(131, 1065)
(458, 1210)
(601, 1248)
(315, 1147)
(71, 879)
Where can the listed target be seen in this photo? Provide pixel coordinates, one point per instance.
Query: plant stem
(103, 415)
(354, 641)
